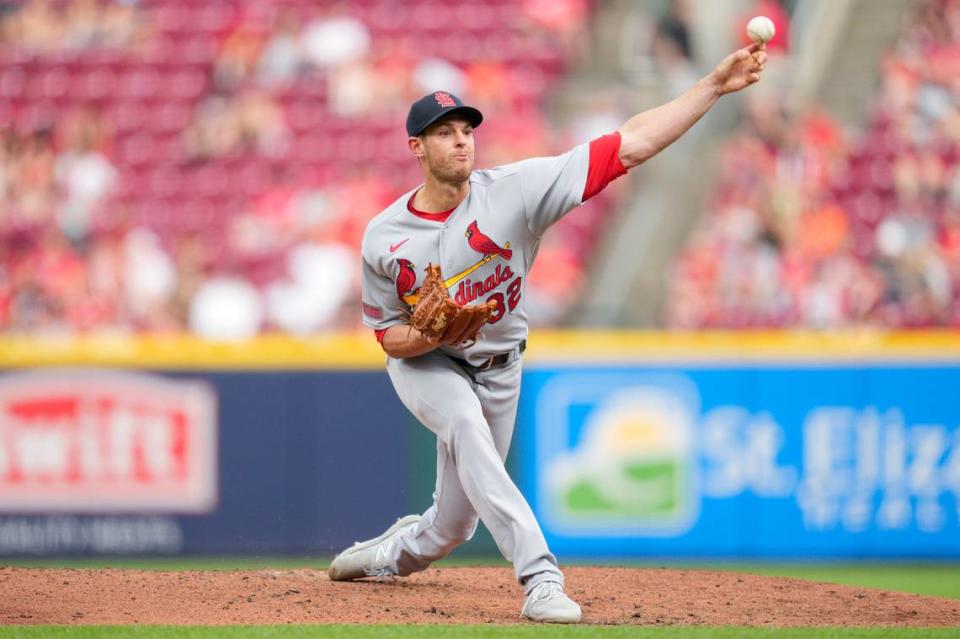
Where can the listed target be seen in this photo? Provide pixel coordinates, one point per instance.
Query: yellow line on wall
(736, 346)
(359, 350)
(335, 351)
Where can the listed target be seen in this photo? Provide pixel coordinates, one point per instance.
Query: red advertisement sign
(104, 441)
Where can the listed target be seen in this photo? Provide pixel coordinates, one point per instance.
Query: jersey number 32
(513, 298)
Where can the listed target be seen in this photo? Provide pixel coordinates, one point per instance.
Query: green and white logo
(631, 468)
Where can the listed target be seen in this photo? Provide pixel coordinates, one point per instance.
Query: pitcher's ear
(416, 146)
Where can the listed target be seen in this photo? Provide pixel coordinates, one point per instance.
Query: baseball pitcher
(444, 276)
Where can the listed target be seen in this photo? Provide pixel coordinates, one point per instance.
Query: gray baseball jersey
(485, 247)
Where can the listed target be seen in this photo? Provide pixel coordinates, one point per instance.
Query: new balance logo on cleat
(371, 558)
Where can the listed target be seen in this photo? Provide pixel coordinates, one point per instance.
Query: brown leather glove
(438, 316)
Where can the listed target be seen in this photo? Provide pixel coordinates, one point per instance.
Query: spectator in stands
(240, 50)
(42, 25)
(213, 132)
(320, 278)
(85, 175)
(673, 29)
(35, 26)
(82, 18)
(122, 23)
(671, 48)
(860, 234)
(260, 123)
(564, 19)
(282, 59)
(393, 65)
(31, 184)
(335, 39)
(602, 112)
(436, 72)
(351, 88)
(149, 281)
(226, 308)
(554, 283)
(487, 82)
(226, 125)
(192, 259)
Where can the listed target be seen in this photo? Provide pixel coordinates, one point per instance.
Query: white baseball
(761, 29)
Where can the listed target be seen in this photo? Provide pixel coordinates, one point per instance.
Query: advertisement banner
(81, 441)
(744, 461)
(701, 445)
(96, 461)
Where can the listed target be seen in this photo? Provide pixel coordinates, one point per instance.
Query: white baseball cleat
(547, 602)
(370, 558)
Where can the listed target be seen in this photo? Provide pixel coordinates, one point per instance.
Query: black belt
(496, 360)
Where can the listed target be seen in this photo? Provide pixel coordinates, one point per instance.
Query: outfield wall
(628, 444)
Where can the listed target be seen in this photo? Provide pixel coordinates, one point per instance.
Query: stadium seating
(809, 228)
(198, 133)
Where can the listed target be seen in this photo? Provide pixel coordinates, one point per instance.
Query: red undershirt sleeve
(379, 333)
(605, 164)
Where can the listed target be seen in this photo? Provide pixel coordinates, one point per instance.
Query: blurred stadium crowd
(210, 167)
(813, 226)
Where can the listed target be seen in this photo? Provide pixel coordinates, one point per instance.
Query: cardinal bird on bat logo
(483, 244)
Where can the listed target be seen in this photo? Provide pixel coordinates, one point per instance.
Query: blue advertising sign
(198, 462)
(744, 461)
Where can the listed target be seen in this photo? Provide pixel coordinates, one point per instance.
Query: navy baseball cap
(436, 105)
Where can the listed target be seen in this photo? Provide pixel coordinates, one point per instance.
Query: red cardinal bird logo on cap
(406, 279)
(483, 244)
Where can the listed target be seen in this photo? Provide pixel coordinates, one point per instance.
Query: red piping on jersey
(433, 217)
(605, 164)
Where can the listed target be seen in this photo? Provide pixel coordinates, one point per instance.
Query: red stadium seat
(140, 83)
(37, 115)
(171, 117)
(7, 114)
(48, 84)
(136, 150)
(165, 182)
(474, 16)
(389, 17)
(208, 181)
(213, 17)
(172, 17)
(197, 50)
(185, 83)
(95, 83)
(305, 114)
(129, 116)
(13, 83)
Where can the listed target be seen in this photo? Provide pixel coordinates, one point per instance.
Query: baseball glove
(438, 316)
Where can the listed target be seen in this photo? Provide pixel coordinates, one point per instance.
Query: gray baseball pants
(473, 416)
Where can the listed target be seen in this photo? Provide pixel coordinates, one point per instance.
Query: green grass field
(929, 579)
(939, 580)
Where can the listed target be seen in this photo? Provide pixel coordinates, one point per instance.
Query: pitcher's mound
(450, 595)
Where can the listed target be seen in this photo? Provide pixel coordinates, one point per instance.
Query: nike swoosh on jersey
(394, 247)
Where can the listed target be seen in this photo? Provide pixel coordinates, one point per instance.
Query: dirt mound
(450, 595)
